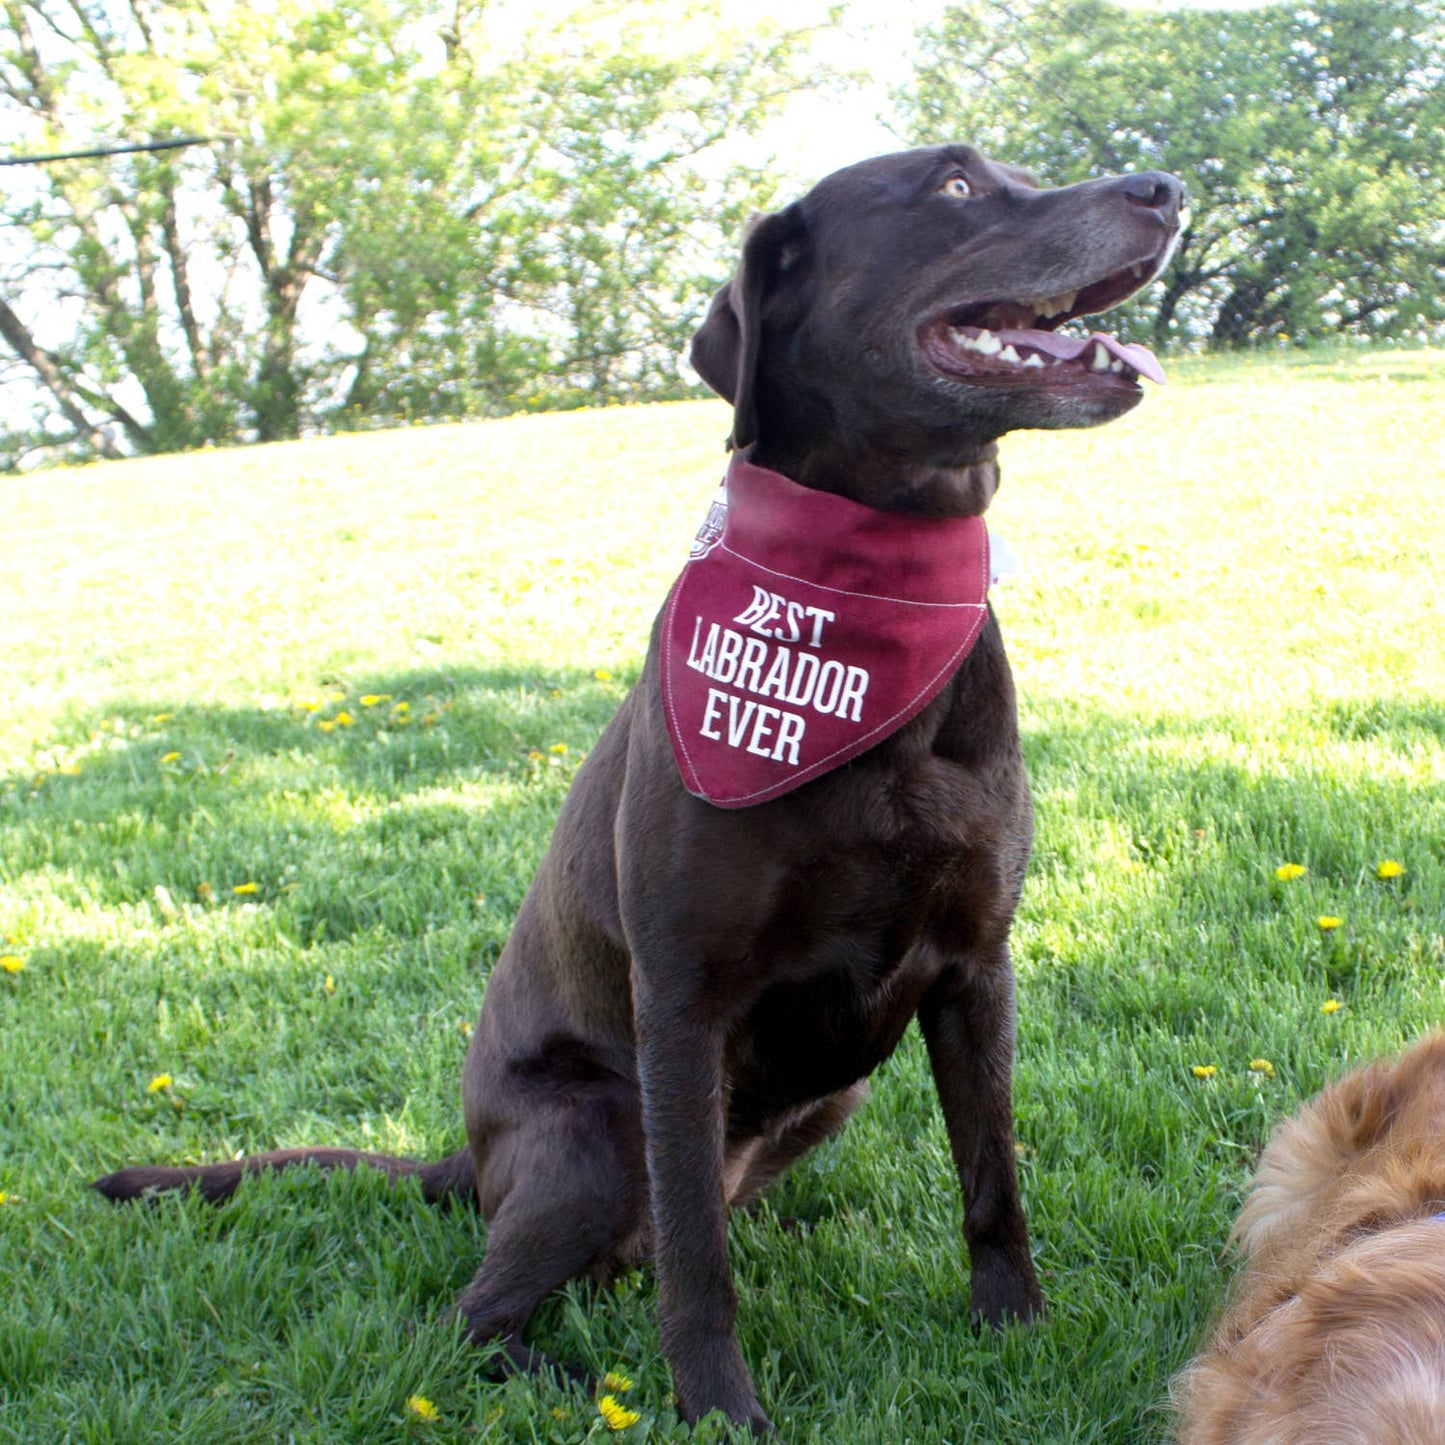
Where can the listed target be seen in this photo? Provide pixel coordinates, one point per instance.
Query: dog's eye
(956, 187)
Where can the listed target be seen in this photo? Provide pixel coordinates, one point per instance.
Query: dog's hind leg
(572, 1202)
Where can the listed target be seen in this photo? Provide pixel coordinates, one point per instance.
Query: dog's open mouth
(1018, 340)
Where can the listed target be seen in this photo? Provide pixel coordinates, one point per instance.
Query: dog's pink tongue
(1070, 348)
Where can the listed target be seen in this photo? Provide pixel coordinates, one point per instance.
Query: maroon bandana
(807, 628)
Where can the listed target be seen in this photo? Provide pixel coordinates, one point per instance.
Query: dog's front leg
(680, 1070)
(967, 1019)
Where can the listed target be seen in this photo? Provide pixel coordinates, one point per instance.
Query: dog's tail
(454, 1175)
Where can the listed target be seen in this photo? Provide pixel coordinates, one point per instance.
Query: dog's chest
(846, 981)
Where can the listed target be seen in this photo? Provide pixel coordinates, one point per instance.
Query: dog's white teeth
(1045, 307)
(1100, 359)
(1008, 354)
(1116, 365)
(988, 343)
(1033, 359)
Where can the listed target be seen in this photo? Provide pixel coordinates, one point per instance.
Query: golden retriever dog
(1335, 1331)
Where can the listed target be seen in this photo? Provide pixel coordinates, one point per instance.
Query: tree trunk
(49, 371)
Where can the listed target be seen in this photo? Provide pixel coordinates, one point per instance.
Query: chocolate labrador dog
(699, 983)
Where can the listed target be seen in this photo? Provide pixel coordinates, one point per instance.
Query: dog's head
(910, 306)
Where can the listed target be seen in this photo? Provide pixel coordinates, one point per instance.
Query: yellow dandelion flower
(618, 1417)
(1287, 872)
(1327, 922)
(162, 717)
(372, 698)
(246, 888)
(558, 748)
(612, 1380)
(170, 757)
(466, 1027)
(161, 1081)
(602, 675)
(1330, 1006)
(4, 1197)
(71, 770)
(1389, 868)
(329, 987)
(325, 726)
(533, 754)
(1204, 1071)
(205, 892)
(344, 719)
(423, 1408)
(402, 708)
(12, 963)
(1261, 1066)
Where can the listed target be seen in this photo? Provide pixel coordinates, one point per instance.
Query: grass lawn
(283, 734)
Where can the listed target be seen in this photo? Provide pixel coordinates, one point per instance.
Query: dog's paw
(1002, 1292)
(753, 1418)
(715, 1381)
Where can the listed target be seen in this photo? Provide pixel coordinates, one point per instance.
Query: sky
(818, 133)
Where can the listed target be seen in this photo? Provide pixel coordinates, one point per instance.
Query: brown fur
(1335, 1332)
(691, 998)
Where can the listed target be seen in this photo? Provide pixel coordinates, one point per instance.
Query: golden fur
(1335, 1332)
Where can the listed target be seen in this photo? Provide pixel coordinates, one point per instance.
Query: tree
(1311, 139)
(395, 217)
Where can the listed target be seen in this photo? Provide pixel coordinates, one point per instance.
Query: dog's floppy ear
(725, 348)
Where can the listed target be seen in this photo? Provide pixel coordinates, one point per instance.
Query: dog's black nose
(1155, 191)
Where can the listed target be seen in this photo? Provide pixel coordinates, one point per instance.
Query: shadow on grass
(388, 854)
(392, 807)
